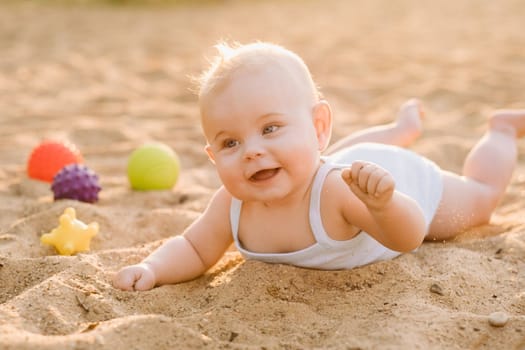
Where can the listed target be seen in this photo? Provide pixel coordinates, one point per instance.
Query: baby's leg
(403, 132)
(469, 200)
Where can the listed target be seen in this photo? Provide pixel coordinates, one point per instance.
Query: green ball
(153, 166)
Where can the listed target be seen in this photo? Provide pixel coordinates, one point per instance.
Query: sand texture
(109, 79)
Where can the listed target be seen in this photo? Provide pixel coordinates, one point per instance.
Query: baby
(282, 201)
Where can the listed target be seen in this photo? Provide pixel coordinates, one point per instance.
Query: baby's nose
(253, 150)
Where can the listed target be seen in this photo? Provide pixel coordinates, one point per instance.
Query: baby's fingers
(125, 279)
(385, 184)
(369, 182)
(145, 282)
(366, 176)
(136, 277)
(346, 174)
(375, 181)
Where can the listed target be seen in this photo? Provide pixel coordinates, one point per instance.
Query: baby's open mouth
(265, 174)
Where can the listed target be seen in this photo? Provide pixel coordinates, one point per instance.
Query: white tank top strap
(235, 214)
(316, 223)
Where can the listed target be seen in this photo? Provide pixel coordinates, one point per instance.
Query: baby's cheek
(231, 178)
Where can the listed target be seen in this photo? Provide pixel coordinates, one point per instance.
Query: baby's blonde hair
(231, 58)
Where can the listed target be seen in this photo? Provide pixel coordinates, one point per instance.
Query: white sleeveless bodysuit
(415, 176)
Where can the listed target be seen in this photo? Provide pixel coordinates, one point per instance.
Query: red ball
(49, 157)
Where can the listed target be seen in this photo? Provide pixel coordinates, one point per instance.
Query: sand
(109, 79)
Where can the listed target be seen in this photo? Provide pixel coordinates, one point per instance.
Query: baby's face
(261, 135)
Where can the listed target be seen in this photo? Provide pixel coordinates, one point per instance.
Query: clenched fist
(135, 277)
(373, 185)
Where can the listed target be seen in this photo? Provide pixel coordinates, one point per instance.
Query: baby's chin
(260, 196)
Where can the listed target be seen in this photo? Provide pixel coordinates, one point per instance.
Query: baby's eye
(230, 143)
(270, 129)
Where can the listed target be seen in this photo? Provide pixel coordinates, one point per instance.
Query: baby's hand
(135, 277)
(372, 184)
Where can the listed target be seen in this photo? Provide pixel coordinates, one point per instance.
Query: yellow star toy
(71, 235)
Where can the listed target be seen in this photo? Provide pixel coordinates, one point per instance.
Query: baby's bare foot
(509, 119)
(409, 120)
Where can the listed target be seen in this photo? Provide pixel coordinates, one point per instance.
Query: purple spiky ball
(76, 181)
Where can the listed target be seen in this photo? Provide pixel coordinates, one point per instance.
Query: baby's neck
(291, 200)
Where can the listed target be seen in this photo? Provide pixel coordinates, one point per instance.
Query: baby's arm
(396, 219)
(184, 257)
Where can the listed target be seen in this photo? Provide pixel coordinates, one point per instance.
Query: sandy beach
(110, 78)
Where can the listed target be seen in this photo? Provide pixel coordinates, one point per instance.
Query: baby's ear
(211, 157)
(322, 118)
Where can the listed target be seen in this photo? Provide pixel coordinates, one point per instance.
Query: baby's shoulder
(334, 186)
(220, 202)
